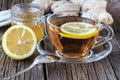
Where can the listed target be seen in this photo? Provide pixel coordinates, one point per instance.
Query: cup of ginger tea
(28, 15)
(74, 34)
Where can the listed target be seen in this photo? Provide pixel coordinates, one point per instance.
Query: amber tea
(72, 36)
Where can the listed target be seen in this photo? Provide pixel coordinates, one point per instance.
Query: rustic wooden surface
(105, 69)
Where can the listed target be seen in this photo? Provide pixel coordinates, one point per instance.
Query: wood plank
(59, 71)
(115, 62)
(100, 70)
(114, 9)
(3, 4)
(115, 43)
(104, 70)
(9, 66)
(91, 71)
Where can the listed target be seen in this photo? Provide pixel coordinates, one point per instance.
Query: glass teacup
(74, 34)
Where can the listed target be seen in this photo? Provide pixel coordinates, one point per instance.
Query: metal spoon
(39, 59)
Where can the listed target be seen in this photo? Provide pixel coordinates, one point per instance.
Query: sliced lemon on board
(19, 42)
(78, 30)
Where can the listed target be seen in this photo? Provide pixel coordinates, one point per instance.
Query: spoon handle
(38, 59)
(20, 72)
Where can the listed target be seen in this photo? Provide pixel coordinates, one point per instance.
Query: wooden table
(105, 69)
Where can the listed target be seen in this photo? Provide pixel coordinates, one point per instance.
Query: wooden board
(106, 69)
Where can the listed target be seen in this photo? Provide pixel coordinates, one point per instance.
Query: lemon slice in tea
(19, 42)
(78, 30)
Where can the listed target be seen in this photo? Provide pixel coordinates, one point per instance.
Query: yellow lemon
(19, 42)
(78, 30)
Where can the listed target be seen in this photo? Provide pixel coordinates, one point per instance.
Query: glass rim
(16, 8)
(48, 19)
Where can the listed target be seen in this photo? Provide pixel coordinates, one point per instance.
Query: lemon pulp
(78, 30)
(19, 42)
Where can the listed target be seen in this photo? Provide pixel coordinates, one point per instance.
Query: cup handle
(43, 20)
(39, 22)
(103, 39)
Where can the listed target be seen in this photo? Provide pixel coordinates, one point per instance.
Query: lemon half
(19, 42)
(78, 30)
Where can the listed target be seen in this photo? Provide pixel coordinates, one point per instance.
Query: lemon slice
(19, 42)
(78, 30)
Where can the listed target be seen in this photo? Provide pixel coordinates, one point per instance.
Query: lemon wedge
(19, 42)
(78, 30)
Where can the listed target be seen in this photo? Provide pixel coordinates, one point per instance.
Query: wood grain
(9, 66)
(105, 69)
(101, 70)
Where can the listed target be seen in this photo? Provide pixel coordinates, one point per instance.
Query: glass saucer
(44, 47)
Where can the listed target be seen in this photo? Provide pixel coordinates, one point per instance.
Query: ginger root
(96, 7)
